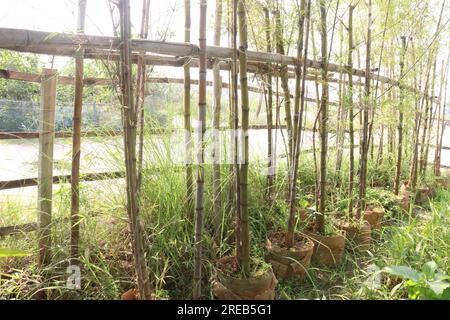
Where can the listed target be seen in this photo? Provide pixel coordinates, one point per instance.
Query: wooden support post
(76, 140)
(45, 170)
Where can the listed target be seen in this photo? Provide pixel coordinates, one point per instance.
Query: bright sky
(60, 16)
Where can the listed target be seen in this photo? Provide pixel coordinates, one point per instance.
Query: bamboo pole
(187, 118)
(323, 125)
(350, 111)
(45, 168)
(244, 201)
(304, 21)
(269, 106)
(200, 202)
(365, 128)
(284, 80)
(217, 205)
(76, 141)
(424, 163)
(235, 114)
(140, 96)
(400, 123)
(129, 123)
(102, 47)
(439, 146)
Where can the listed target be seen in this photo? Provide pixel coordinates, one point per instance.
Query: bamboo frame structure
(106, 48)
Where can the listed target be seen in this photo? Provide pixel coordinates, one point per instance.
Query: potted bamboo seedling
(374, 215)
(404, 195)
(329, 243)
(290, 252)
(240, 277)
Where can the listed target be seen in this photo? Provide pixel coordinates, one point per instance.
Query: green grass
(107, 260)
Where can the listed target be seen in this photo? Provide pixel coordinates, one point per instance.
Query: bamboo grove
(364, 81)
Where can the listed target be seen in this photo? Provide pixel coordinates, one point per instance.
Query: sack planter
(404, 196)
(423, 194)
(358, 233)
(226, 286)
(442, 182)
(328, 250)
(374, 216)
(292, 263)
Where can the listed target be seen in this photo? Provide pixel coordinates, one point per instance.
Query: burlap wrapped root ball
(289, 263)
(228, 287)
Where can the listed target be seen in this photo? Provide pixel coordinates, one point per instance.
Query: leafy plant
(429, 283)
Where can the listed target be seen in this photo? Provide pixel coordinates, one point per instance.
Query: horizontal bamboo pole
(31, 182)
(60, 134)
(89, 81)
(103, 47)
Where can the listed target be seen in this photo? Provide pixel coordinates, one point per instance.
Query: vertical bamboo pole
(284, 80)
(350, 110)
(298, 69)
(439, 119)
(129, 124)
(187, 117)
(45, 169)
(398, 171)
(245, 237)
(235, 113)
(304, 23)
(365, 132)
(200, 201)
(76, 140)
(430, 123)
(437, 160)
(381, 141)
(323, 125)
(269, 105)
(140, 96)
(217, 84)
(340, 131)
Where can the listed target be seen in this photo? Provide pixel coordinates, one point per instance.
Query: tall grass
(105, 240)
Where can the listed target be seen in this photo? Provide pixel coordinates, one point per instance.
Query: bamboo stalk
(200, 155)
(365, 130)
(140, 97)
(400, 123)
(439, 146)
(424, 163)
(129, 124)
(269, 106)
(217, 206)
(187, 118)
(284, 80)
(323, 125)
(350, 111)
(304, 21)
(76, 141)
(235, 114)
(245, 237)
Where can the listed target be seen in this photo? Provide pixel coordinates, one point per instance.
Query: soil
(279, 239)
(229, 266)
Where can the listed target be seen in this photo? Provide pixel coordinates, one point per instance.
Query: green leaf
(438, 286)
(429, 268)
(12, 253)
(404, 272)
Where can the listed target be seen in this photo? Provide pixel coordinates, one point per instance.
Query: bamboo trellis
(162, 53)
